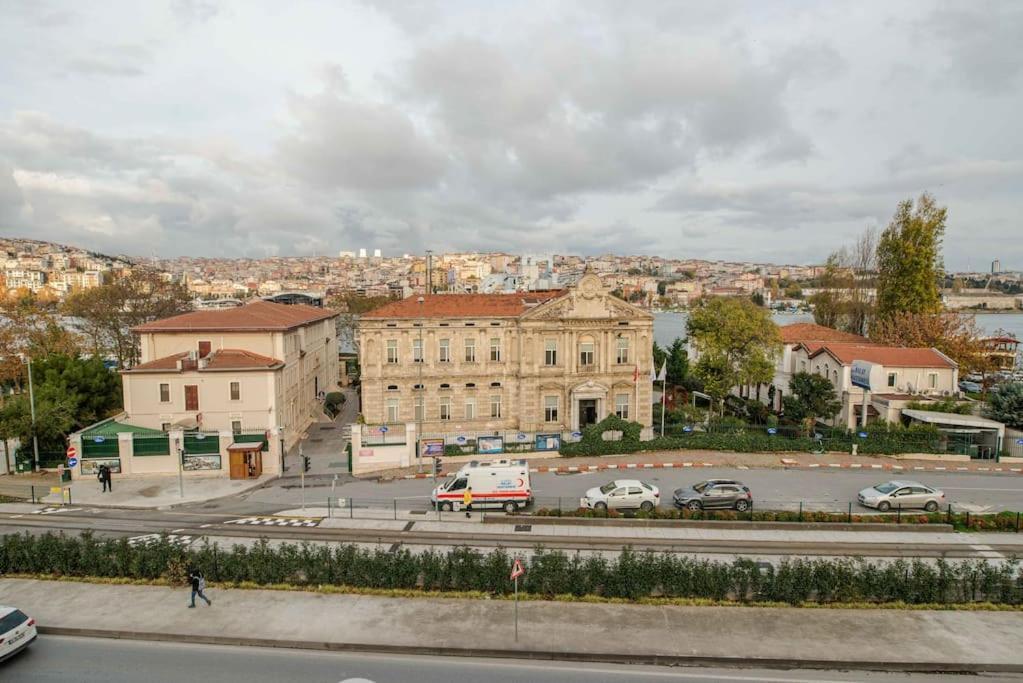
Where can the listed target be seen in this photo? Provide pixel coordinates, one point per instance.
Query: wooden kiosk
(246, 459)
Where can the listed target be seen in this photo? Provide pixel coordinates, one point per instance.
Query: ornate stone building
(545, 361)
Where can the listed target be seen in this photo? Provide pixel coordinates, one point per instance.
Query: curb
(548, 655)
(573, 469)
(719, 524)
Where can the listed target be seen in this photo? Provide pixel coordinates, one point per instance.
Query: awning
(955, 420)
(245, 446)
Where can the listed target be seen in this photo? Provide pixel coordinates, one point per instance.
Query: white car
(17, 631)
(622, 494)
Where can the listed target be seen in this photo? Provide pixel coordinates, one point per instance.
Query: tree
(844, 301)
(909, 263)
(54, 419)
(811, 397)
(736, 344)
(954, 334)
(30, 326)
(1005, 404)
(350, 306)
(678, 363)
(93, 391)
(662, 287)
(109, 312)
(757, 298)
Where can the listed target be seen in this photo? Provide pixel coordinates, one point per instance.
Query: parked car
(901, 494)
(622, 494)
(972, 387)
(17, 631)
(714, 493)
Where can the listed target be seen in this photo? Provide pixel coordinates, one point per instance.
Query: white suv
(622, 494)
(17, 631)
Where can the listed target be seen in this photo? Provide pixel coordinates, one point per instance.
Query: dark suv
(714, 493)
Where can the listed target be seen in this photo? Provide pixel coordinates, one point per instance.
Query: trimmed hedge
(961, 521)
(630, 576)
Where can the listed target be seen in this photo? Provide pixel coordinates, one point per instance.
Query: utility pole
(32, 407)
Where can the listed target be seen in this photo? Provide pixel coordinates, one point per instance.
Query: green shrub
(630, 576)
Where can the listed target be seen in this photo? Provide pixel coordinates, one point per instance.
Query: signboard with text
(860, 374)
(489, 445)
(431, 448)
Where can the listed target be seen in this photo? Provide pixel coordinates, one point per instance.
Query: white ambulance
(500, 484)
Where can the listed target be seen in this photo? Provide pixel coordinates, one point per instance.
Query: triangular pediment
(587, 300)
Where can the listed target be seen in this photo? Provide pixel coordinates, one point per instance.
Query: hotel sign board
(861, 373)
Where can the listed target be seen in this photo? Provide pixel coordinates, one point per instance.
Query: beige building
(262, 366)
(547, 361)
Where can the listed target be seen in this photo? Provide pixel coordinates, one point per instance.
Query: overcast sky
(767, 131)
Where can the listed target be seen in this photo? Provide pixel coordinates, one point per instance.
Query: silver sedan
(901, 495)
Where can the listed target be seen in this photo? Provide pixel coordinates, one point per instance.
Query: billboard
(488, 445)
(431, 448)
(860, 373)
(548, 442)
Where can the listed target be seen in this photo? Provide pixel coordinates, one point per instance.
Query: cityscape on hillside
(653, 282)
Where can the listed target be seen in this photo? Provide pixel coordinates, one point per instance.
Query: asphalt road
(88, 660)
(772, 488)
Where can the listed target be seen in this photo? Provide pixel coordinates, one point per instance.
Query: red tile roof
(465, 305)
(889, 356)
(810, 332)
(220, 360)
(259, 316)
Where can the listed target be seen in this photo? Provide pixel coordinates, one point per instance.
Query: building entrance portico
(588, 405)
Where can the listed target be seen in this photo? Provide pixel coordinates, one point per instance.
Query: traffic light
(305, 463)
(437, 465)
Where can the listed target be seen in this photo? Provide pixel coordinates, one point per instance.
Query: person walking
(104, 478)
(198, 582)
(467, 501)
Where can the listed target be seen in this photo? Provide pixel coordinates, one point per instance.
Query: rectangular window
(392, 410)
(444, 351)
(470, 409)
(417, 350)
(445, 408)
(586, 353)
(802, 365)
(470, 350)
(164, 393)
(236, 391)
(236, 426)
(623, 350)
(893, 379)
(418, 404)
(191, 397)
(204, 349)
(932, 380)
(495, 350)
(622, 406)
(165, 426)
(495, 406)
(550, 409)
(550, 352)
(392, 351)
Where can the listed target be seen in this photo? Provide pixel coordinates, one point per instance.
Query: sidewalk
(824, 638)
(155, 491)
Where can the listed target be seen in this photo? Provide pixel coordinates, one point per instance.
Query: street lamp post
(181, 467)
(422, 393)
(32, 408)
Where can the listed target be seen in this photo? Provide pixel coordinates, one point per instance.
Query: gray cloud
(981, 42)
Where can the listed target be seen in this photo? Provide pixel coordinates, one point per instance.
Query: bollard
(559, 506)
(351, 508)
(33, 493)
(967, 519)
(948, 518)
(849, 518)
(898, 514)
(216, 570)
(800, 511)
(396, 509)
(751, 509)
(1017, 522)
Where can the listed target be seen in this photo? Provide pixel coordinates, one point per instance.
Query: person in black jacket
(104, 478)
(198, 582)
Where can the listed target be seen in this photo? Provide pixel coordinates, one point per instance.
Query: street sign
(862, 435)
(383, 430)
(71, 452)
(71, 462)
(517, 569)
(772, 430)
(687, 429)
(98, 439)
(460, 439)
(1019, 442)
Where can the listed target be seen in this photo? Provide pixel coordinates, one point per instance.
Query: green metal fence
(202, 443)
(99, 447)
(252, 438)
(145, 444)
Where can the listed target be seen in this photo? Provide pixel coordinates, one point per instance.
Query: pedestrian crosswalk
(51, 510)
(278, 521)
(149, 539)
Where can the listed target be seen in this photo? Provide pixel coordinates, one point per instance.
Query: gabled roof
(888, 356)
(258, 316)
(219, 360)
(111, 428)
(811, 332)
(464, 305)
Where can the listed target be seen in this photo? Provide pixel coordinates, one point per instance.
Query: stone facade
(533, 361)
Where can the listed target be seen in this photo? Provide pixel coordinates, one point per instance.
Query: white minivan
(17, 631)
(501, 484)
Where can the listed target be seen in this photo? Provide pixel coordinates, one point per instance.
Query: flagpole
(663, 390)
